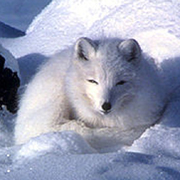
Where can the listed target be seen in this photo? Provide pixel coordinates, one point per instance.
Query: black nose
(106, 106)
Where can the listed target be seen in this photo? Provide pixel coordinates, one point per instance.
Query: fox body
(97, 88)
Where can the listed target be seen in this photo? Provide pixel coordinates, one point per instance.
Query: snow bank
(66, 142)
(55, 24)
(61, 19)
(119, 166)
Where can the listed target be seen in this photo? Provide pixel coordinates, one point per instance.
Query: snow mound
(66, 142)
(159, 140)
(134, 17)
(49, 31)
(55, 24)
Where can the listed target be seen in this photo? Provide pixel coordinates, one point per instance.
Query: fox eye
(120, 83)
(92, 81)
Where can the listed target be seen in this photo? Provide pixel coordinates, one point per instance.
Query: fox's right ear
(84, 49)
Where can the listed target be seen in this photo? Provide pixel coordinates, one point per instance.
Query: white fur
(60, 97)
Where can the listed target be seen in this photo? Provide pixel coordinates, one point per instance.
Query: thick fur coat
(105, 90)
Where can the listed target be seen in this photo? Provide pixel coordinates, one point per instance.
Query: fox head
(105, 72)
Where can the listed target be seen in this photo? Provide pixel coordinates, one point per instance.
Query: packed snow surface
(65, 155)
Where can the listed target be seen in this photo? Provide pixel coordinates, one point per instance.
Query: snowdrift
(155, 155)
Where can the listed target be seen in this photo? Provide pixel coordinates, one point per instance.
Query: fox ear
(84, 48)
(130, 49)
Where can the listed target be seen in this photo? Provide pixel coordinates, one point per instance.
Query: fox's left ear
(84, 48)
(130, 49)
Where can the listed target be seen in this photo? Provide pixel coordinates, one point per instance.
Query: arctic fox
(97, 88)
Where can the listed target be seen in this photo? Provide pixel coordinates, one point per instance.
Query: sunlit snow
(155, 155)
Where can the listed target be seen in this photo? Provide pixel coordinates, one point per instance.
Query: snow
(20, 13)
(156, 154)
(66, 142)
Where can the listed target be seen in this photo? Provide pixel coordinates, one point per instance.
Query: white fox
(105, 90)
